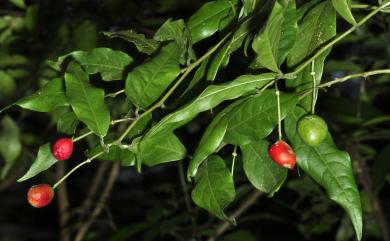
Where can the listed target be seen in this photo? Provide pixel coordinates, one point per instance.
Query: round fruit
(62, 149)
(40, 195)
(283, 154)
(312, 129)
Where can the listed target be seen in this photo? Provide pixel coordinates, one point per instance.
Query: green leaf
(221, 59)
(317, 27)
(178, 32)
(46, 99)
(328, 166)
(277, 38)
(67, 123)
(198, 76)
(109, 63)
(214, 189)
(140, 126)
(248, 6)
(10, 146)
(43, 162)
(207, 20)
(262, 172)
(211, 139)
(343, 7)
(256, 117)
(114, 154)
(161, 149)
(87, 101)
(143, 44)
(147, 82)
(212, 96)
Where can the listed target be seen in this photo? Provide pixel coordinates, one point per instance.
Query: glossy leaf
(178, 32)
(207, 20)
(212, 96)
(214, 189)
(328, 166)
(67, 123)
(262, 172)
(43, 162)
(317, 27)
(143, 44)
(161, 149)
(257, 117)
(343, 7)
(198, 76)
(109, 63)
(46, 99)
(147, 82)
(221, 59)
(211, 139)
(248, 6)
(140, 126)
(87, 101)
(10, 146)
(114, 154)
(278, 36)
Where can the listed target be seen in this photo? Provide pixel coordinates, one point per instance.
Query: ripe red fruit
(283, 154)
(62, 149)
(40, 195)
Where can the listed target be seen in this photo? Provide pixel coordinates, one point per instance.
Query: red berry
(283, 154)
(40, 195)
(62, 149)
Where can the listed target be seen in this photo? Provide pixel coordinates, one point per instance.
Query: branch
(63, 204)
(100, 205)
(353, 76)
(177, 83)
(93, 189)
(245, 205)
(346, 78)
(334, 41)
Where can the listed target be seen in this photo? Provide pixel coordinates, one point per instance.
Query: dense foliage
(178, 102)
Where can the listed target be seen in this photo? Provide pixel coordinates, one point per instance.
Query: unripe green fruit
(312, 129)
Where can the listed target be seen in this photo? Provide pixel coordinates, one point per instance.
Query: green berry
(312, 129)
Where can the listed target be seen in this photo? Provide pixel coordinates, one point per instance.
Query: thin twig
(245, 205)
(63, 204)
(100, 205)
(353, 76)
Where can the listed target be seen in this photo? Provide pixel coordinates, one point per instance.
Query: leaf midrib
(89, 105)
(209, 17)
(186, 109)
(155, 73)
